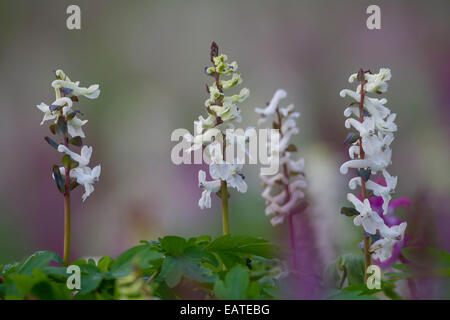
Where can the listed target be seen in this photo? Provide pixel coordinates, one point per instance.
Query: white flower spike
(210, 132)
(375, 127)
(61, 112)
(283, 191)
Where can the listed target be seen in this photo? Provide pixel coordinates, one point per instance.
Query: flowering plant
(370, 153)
(223, 114)
(283, 191)
(67, 124)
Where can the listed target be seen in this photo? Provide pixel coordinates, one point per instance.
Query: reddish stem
(66, 252)
(288, 198)
(367, 258)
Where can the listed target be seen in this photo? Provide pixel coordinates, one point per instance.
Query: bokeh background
(149, 57)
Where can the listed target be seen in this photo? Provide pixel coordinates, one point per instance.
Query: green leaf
(364, 174)
(72, 115)
(58, 179)
(73, 185)
(91, 277)
(171, 271)
(174, 268)
(122, 266)
(406, 268)
(51, 142)
(73, 164)
(351, 138)
(146, 258)
(173, 245)
(242, 245)
(349, 211)
(254, 291)
(425, 262)
(38, 260)
(76, 141)
(66, 161)
(442, 257)
(332, 278)
(104, 263)
(56, 272)
(354, 264)
(349, 295)
(235, 285)
(23, 283)
(61, 126)
(51, 290)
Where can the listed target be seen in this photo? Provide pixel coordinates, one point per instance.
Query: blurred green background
(149, 57)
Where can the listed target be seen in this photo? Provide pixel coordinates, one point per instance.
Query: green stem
(225, 219)
(66, 256)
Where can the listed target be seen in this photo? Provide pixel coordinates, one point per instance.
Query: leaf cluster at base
(228, 267)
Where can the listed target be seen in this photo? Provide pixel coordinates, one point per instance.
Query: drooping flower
(53, 112)
(383, 191)
(84, 176)
(69, 87)
(74, 127)
(48, 114)
(83, 158)
(369, 219)
(208, 188)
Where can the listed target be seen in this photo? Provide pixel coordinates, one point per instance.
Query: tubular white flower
(236, 178)
(382, 248)
(48, 114)
(283, 191)
(384, 192)
(369, 219)
(64, 101)
(86, 177)
(83, 158)
(376, 83)
(208, 186)
(54, 115)
(376, 135)
(92, 92)
(74, 127)
(273, 105)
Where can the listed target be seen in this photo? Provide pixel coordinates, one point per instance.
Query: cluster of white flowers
(61, 110)
(282, 191)
(375, 129)
(223, 114)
